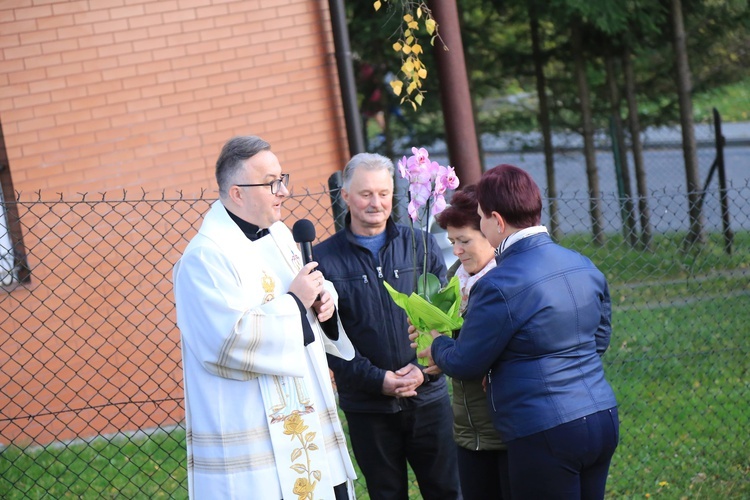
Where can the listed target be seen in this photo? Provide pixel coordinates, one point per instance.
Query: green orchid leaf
(433, 286)
(426, 316)
(448, 296)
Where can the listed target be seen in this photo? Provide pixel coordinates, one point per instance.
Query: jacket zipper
(468, 414)
(492, 393)
(379, 269)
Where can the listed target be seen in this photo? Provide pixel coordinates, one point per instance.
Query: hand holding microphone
(308, 284)
(303, 232)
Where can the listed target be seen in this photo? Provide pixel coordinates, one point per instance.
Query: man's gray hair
(233, 154)
(367, 161)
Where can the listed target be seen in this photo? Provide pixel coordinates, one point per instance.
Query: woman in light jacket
(537, 326)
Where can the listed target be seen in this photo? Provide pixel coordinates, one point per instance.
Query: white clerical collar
(519, 235)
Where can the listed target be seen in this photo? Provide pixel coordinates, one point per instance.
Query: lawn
(681, 377)
(141, 466)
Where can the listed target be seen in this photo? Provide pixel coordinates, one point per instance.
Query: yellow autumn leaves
(413, 70)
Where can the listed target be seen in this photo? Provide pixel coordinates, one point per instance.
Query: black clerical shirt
(250, 230)
(253, 233)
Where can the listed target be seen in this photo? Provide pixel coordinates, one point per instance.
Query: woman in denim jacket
(536, 326)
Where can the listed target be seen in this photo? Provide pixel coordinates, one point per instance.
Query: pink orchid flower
(420, 155)
(428, 182)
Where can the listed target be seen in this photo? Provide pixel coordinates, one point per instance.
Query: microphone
(303, 233)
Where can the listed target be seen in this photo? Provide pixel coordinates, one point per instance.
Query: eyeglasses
(275, 184)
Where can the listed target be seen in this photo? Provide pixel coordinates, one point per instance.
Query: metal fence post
(727, 231)
(338, 206)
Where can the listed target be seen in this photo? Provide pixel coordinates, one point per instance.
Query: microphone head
(303, 231)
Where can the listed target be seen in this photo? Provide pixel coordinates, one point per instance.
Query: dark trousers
(484, 474)
(341, 492)
(570, 461)
(423, 436)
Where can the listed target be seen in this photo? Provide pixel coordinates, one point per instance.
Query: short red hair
(512, 193)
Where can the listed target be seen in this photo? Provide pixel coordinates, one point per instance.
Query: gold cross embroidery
(268, 286)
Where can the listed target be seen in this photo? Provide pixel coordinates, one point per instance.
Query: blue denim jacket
(537, 326)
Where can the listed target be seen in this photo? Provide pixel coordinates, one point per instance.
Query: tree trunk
(544, 121)
(460, 130)
(689, 148)
(589, 153)
(635, 138)
(626, 196)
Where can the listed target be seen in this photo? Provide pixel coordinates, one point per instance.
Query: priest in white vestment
(255, 327)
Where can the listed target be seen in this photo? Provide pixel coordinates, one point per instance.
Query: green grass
(677, 361)
(143, 467)
(667, 259)
(681, 377)
(732, 101)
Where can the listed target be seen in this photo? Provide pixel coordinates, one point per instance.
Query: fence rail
(91, 402)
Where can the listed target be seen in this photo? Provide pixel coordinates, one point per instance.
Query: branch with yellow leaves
(416, 17)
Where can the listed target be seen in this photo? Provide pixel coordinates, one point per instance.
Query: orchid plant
(428, 182)
(430, 308)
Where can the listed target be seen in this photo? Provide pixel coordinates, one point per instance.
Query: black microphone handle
(306, 249)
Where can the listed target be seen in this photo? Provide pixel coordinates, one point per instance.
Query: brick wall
(101, 96)
(89, 346)
(141, 94)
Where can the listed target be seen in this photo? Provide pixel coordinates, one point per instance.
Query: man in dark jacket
(395, 412)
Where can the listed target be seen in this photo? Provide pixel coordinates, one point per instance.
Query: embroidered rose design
(294, 426)
(303, 488)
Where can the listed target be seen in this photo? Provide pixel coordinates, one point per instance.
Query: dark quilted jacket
(375, 325)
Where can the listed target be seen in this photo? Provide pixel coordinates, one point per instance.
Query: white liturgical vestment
(260, 410)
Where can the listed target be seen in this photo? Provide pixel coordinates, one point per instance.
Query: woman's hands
(432, 368)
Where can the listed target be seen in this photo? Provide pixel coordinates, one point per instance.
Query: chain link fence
(91, 403)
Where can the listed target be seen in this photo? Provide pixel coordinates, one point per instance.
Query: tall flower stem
(425, 240)
(428, 181)
(413, 248)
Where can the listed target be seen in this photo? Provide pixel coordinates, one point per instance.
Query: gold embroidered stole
(293, 420)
